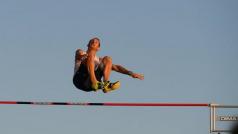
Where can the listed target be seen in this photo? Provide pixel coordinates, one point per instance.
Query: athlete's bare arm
(123, 70)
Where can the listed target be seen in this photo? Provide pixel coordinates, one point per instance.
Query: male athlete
(90, 69)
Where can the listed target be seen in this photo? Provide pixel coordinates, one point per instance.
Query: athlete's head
(94, 44)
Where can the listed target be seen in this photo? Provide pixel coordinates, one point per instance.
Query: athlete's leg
(107, 62)
(91, 66)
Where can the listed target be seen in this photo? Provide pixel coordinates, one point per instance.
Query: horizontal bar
(223, 106)
(159, 104)
(223, 131)
(110, 104)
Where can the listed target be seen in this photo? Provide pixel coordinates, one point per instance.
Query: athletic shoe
(107, 87)
(97, 86)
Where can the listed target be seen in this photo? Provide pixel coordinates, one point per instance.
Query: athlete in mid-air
(90, 69)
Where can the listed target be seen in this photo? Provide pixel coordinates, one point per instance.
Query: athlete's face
(95, 45)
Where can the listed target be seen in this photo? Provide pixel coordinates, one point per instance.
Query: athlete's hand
(137, 76)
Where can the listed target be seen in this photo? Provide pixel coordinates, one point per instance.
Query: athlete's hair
(92, 41)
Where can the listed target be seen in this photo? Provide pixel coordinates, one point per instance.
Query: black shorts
(82, 80)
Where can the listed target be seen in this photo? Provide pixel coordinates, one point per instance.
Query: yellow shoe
(97, 86)
(110, 86)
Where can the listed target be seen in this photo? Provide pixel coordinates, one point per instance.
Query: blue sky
(186, 49)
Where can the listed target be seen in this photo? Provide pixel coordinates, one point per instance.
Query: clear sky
(187, 50)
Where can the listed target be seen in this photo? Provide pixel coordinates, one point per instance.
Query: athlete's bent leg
(96, 85)
(107, 62)
(91, 65)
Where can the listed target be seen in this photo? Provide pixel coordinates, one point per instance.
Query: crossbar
(109, 104)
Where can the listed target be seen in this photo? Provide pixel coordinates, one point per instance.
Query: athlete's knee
(107, 59)
(79, 52)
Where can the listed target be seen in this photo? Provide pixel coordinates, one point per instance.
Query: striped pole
(109, 104)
